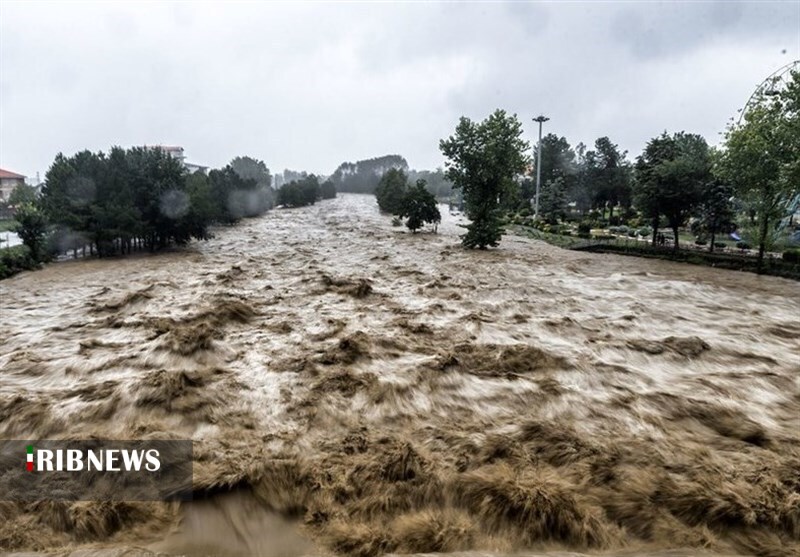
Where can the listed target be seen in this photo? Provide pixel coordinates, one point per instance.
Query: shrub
(720, 245)
(525, 212)
(632, 233)
(645, 231)
(792, 256)
(14, 260)
(584, 228)
(701, 242)
(743, 245)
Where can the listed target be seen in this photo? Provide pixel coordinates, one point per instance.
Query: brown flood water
(356, 389)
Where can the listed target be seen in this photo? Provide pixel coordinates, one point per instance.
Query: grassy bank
(774, 266)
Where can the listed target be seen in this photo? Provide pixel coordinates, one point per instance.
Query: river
(355, 388)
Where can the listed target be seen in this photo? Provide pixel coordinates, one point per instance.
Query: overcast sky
(306, 86)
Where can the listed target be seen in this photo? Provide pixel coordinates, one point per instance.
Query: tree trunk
(655, 230)
(713, 238)
(675, 239)
(762, 241)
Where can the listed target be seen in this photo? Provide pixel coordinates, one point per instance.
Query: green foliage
(391, 191)
(553, 200)
(363, 176)
(419, 206)
(670, 177)
(134, 198)
(21, 195)
(254, 171)
(16, 259)
(327, 190)
(435, 180)
(761, 158)
(715, 210)
(300, 193)
(791, 256)
(32, 229)
(483, 159)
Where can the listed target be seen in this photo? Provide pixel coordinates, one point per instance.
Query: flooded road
(353, 388)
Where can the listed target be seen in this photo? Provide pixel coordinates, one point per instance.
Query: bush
(720, 245)
(743, 245)
(645, 231)
(525, 212)
(632, 233)
(792, 256)
(14, 260)
(701, 242)
(584, 228)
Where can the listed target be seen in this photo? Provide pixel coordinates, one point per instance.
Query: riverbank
(736, 260)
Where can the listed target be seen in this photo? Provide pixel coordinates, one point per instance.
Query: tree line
(137, 199)
(677, 178)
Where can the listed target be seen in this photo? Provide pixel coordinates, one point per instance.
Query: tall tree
(761, 158)
(610, 175)
(670, 175)
(391, 191)
(483, 160)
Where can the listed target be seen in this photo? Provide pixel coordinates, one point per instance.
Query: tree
(363, 176)
(670, 175)
(610, 176)
(483, 160)
(419, 205)
(21, 195)
(761, 160)
(391, 191)
(327, 190)
(250, 169)
(299, 193)
(31, 228)
(553, 200)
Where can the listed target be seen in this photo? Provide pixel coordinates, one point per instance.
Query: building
(177, 153)
(8, 181)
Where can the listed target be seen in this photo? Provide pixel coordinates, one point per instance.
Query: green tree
(255, 171)
(327, 190)
(21, 195)
(761, 159)
(32, 228)
(610, 176)
(299, 193)
(391, 191)
(553, 202)
(483, 160)
(419, 205)
(670, 176)
(558, 164)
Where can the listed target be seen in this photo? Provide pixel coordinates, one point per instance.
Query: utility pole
(541, 120)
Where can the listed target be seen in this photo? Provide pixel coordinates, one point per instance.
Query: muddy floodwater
(355, 389)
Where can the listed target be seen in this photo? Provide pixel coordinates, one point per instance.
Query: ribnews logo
(76, 460)
(96, 470)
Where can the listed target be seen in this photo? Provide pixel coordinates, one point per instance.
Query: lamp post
(541, 119)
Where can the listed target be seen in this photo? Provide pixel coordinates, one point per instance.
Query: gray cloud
(309, 85)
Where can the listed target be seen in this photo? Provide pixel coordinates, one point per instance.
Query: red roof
(9, 174)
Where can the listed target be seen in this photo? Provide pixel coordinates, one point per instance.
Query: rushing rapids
(352, 388)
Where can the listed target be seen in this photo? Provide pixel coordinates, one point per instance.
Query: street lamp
(541, 120)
